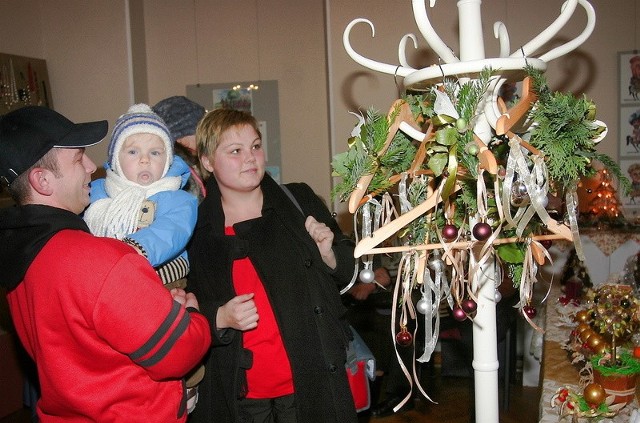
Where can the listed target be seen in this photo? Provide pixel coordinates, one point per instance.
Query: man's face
(71, 185)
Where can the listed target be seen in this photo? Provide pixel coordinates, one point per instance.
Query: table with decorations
(575, 335)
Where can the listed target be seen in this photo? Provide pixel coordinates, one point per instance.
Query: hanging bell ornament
(367, 275)
(424, 306)
(482, 231)
(404, 338)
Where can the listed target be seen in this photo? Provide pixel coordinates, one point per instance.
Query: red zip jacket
(109, 341)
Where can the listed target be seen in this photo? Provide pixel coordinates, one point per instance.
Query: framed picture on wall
(23, 82)
(630, 130)
(631, 203)
(629, 80)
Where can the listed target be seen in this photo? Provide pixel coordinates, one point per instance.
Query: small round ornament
(404, 338)
(583, 316)
(530, 311)
(436, 264)
(594, 341)
(449, 232)
(459, 314)
(471, 148)
(461, 125)
(367, 275)
(594, 394)
(482, 231)
(546, 243)
(497, 296)
(424, 306)
(469, 306)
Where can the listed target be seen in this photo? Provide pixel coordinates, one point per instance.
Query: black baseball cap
(28, 133)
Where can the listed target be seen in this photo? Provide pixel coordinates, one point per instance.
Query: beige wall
(85, 45)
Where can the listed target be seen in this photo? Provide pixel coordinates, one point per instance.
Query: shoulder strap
(291, 197)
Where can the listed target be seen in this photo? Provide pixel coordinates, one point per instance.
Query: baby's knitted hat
(181, 115)
(139, 119)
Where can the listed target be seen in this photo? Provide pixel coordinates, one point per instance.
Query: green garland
(363, 158)
(565, 131)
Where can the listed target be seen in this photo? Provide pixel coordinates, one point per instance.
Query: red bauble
(546, 243)
(404, 338)
(449, 232)
(469, 306)
(482, 231)
(530, 311)
(459, 314)
(636, 352)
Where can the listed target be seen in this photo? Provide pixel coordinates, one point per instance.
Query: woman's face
(238, 162)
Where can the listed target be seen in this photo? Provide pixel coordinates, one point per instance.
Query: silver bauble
(498, 296)
(436, 264)
(367, 275)
(519, 189)
(423, 306)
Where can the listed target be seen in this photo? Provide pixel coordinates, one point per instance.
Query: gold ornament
(594, 341)
(594, 394)
(582, 316)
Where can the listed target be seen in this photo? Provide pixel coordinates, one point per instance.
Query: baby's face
(634, 174)
(142, 158)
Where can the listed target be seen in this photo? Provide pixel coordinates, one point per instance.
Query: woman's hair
(19, 188)
(211, 128)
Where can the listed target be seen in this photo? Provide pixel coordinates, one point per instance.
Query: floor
(453, 395)
(455, 405)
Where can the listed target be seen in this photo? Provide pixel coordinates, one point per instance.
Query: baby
(140, 201)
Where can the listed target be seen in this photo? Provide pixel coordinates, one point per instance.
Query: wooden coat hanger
(403, 121)
(503, 127)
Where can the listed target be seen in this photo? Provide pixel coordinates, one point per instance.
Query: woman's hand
(323, 236)
(239, 313)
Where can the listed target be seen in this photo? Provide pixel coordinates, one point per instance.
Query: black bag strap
(291, 197)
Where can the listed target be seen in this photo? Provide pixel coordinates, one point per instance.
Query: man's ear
(39, 179)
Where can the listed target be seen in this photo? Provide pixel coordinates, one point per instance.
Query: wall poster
(23, 81)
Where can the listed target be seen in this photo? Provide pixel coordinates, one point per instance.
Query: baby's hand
(179, 295)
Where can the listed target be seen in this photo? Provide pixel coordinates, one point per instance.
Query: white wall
(85, 46)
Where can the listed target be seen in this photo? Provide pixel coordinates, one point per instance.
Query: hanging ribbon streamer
(527, 281)
(428, 305)
(572, 213)
(402, 297)
(487, 251)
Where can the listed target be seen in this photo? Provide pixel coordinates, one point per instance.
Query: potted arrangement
(605, 329)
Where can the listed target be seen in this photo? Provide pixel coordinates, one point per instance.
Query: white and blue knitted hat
(139, 119)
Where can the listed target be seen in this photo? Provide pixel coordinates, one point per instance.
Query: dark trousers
(269, 410)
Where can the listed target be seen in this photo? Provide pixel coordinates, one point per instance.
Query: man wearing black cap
(109, 341)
